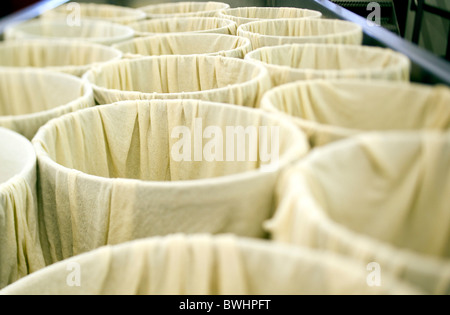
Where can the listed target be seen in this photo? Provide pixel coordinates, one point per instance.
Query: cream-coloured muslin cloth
(184, 9)
(378, 198)
(301, 31)
(96, 11)
(29, 98)
(71, 57)
(100, 32)
(288, 63)
(20, 250)
(115, 173)
(330, 110)
(209, 78)
(204, 265)
(184, 25)
(246, 15)
(187, 44)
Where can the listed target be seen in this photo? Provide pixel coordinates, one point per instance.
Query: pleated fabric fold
(376, 198)
(204, 265)
(289, 63)
(331, 110)
(301, 31)
(116, 173)
(20, 248)
(209, 78)
(29, 98)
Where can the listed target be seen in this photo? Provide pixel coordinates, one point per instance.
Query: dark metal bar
(447, 56)
(401, 11)
(418, 22)
(394, 12)
(432, 9)
(437, 11)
